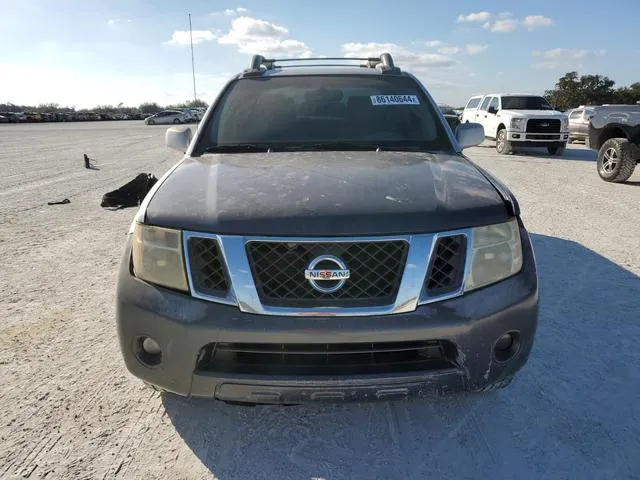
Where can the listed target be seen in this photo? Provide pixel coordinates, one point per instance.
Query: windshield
(525, 103)
(325, 112)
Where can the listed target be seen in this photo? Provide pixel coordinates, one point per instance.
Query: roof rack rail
(259, 64)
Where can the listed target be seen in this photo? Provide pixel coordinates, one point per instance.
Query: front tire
(176, 121)
(503, 146)
(615, 160)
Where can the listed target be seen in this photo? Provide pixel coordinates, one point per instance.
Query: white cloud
(563, 57)
(402, 57)
(115, 23)
(474, 17)
(254, 36)
(474, 48)
(536, 21)
(446, 49)
(182, 37)
(567, 53)
(504, 25)
(545, 65)
(230, 12)
(449, 50)
(505, 22)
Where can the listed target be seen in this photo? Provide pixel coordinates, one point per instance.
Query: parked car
(614, 132)
(167, 117)
(33, 117)
(3, 119)
(579, 123)
(324, 238)
(196, 114)
(519, 120)
(453, 119)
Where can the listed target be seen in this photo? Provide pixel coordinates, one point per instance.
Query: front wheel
(615, 160)
(503, 146)
(151, 122)
(176, 121)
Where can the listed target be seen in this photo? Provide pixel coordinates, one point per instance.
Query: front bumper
(183, 326)
(537, 139)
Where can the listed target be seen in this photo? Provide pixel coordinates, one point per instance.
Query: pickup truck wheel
(503, 146)
(615, 160)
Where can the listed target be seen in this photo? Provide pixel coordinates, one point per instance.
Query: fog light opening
(506, 346)
(148, 351)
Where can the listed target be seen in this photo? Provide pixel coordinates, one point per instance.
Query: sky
(84, 53)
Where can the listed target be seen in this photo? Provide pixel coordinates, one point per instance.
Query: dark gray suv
(325, 239)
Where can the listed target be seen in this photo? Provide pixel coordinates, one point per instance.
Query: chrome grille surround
(411, 292)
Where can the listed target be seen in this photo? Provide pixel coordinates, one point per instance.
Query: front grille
(543, 125)
(543, 137)
(326, 359)
(208, 270)
(446, 268)
(376, 269)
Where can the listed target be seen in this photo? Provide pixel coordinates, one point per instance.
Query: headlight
(496, 253)
(565, 124)
(157, 256)
(517, 123)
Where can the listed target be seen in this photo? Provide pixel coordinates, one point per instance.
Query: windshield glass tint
(525, 103)
(306, 110)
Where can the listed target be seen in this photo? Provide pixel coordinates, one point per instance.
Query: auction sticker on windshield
(395, 100)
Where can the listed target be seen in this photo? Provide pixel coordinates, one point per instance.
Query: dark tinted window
(304, 110)
(525, 103)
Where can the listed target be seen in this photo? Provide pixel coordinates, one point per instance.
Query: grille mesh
(326, 358)
(543, 125)
(447, 265)
(375, 272)
(208, 271)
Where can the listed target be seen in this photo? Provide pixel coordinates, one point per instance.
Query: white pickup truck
(519, 120)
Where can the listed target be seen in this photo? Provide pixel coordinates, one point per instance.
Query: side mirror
(469, 134)
(178, 138)
(492, 110)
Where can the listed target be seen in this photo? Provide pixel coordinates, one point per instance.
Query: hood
(325, 194)
(535, 113)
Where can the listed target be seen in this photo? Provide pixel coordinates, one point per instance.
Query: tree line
(143, 108)
(572, 91)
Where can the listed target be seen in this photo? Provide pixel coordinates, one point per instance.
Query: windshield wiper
(238, 148)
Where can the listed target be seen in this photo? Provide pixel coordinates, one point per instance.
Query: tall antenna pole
(193, 67)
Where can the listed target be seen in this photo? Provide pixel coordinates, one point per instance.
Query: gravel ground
(70, 409)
